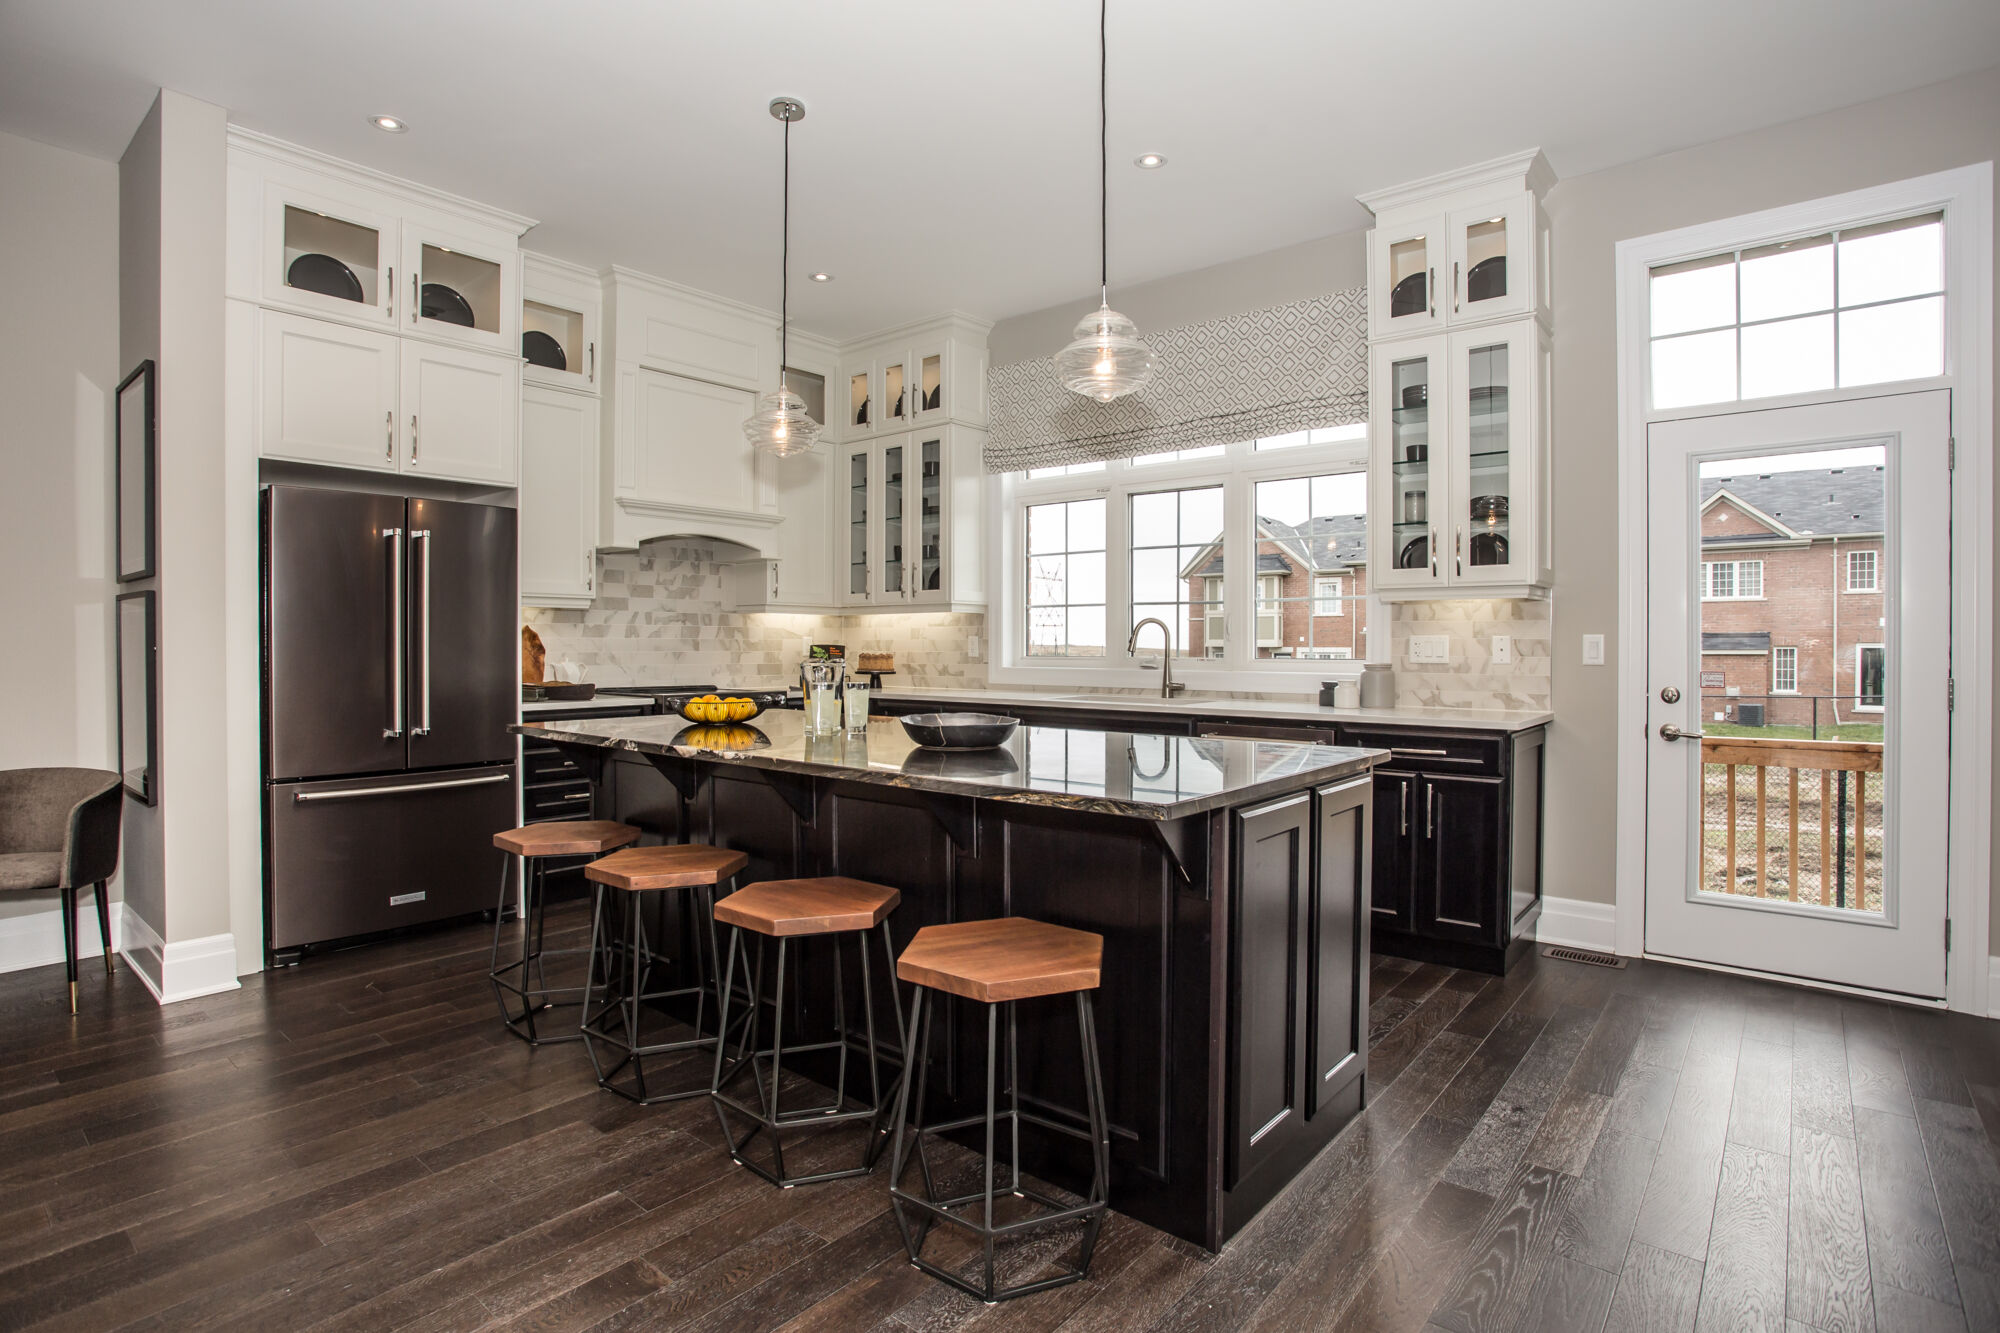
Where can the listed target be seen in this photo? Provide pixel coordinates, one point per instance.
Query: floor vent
(1591, 956)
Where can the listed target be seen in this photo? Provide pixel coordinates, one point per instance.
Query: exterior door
(1799, 659)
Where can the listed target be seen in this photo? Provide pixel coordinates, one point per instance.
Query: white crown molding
(617, 275)
(1528, 169)
(280, 151)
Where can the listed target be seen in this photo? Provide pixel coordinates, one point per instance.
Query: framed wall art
(138, 695)
(137, 468)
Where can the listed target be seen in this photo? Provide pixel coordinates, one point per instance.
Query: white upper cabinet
(925, 373)
(910, 515)
(328, 256)
(1464, 247)
(461, 410)
(559, 501)
(560, 331)
(461, 288)
(328, 393)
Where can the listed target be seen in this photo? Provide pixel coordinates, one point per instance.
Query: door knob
(1670, 732)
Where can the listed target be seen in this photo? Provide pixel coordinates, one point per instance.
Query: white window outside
(1732, 580)
(1328, 595)
(1871, 670)
(1854, 306)
(1863, 572)
(1784, 671)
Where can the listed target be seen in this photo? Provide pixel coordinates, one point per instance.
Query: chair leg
(69, 942)
(104, 925)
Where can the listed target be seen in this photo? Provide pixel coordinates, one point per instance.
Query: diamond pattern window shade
(1243, 377)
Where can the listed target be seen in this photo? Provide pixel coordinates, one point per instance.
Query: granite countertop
(1106, 772)
(600, 700)
(1304, 710)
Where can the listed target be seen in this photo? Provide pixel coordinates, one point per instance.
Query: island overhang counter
(1228, 877)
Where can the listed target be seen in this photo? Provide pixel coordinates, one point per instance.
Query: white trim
(35, 939)
(190, 968)
(1810, 983)
(1966, 195)
(1578, 923)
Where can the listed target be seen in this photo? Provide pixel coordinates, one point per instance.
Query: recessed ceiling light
(822, 277)
(1149, 161)
(388, 124)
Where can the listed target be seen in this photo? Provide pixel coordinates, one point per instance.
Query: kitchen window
(1853, 306)
(1732, 580)
(1784, 671)
(1863, 571)
(1267, 538)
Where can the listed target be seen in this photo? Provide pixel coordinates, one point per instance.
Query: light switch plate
(1429, 648)
(1503, 649)
(1593, 650)
(972, 646)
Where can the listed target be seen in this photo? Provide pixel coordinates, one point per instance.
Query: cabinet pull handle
(1434, 552)
(1457, 551)
(589, 571)
(1404, 805)
(1432, 286)
(1430, 811)
(413, 439)
(389, 292)
(1418, 754)
(416, 300)
(593, 363)
(389, 435)
(1454, 286)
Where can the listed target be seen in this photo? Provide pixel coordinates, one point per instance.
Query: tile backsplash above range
(658, 620)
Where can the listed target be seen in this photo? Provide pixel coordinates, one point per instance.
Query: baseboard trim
(35, 939)
(1579, 924)
(184, 969)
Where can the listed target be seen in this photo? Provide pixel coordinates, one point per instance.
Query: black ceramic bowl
(959, 731)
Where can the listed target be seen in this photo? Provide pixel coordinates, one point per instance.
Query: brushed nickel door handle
(1670, 732)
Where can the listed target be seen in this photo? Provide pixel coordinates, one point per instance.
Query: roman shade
(1242, 377)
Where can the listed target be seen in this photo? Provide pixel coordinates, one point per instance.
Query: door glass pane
(1486, 534)
(857, 400)
(552, 337)
(930, 573)
(892, 520)
(933, 384)
(1410, 462)
(331, 256)
(1177, 569)
(460, 289)
(857, 525)
(1794, 679)
(1486, 260)
(1312, 553)
(892, 393)
(1409, 276)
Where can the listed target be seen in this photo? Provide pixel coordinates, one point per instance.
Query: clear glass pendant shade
(1106, 359)
(780, 426)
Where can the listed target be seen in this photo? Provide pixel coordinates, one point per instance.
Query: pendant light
(780, 426)
(1105, 359)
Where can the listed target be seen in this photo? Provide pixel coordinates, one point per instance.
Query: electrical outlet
(1593, 650)
(1503, 649)
(1430, 648)
(972, 646)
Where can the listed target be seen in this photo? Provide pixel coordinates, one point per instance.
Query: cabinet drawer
(548, 765)
(1302, 732)
(565, 801)
(1470, 753)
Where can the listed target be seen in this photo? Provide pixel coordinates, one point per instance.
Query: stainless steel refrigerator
(391, 669)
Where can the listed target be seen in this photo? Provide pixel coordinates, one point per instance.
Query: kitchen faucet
(1168, 686)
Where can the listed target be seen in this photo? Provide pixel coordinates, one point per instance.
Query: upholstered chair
(59, 830)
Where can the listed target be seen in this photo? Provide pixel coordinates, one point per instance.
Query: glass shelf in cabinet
(1411, 467)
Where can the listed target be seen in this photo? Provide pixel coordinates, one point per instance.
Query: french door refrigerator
(390, 677)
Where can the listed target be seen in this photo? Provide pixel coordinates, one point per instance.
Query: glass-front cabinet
(1402, 277)
(1454, 250)
(894, 581)
(460, 289)
(329, 257)
(897, 535)
(1459, 470)
(559, 324)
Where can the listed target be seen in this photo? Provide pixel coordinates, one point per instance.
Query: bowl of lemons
(721, 738)
(720, 709)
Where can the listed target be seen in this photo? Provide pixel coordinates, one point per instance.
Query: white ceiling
(948, 160)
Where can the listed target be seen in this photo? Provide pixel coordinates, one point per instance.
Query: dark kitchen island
(1229, 878)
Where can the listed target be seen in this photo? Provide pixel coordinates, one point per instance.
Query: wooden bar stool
(789, 911)
(530, 846)
(997, 963)
(635, 872)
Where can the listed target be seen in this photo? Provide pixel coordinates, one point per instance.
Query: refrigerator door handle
(423, 535)
(395, 727)
(350, 793)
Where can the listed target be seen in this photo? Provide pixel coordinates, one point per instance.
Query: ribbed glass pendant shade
(1106, 360)
(780, 426)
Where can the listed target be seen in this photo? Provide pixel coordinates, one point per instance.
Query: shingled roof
(1820, 502)
(1325, 544)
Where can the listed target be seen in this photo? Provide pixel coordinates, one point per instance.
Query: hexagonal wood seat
(824, 906)
(567, 837)
(678, 866)
(1011, 958)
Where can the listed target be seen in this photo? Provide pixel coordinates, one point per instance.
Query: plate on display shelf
(539, 349)
(1407, 297)
(323, 274)
(1487, 279)
(445, 305)
(1416, 553)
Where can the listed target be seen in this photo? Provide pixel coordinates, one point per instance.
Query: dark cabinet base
(1492, 958)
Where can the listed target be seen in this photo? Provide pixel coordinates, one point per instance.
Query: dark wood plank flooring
(356, 1144)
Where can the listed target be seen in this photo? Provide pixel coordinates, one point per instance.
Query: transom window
(1860, 305)
(1863, 571)
(1732, 580)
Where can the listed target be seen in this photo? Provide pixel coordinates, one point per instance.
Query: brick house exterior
(1792, 579)
(1302, 571)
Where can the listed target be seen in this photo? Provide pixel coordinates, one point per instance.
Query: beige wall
(59, 367)
(1946, 125)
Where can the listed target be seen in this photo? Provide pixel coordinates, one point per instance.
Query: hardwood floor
(356, 1144)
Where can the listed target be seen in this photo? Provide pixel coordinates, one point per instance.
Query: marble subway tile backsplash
(658, 620)
(1470, 678)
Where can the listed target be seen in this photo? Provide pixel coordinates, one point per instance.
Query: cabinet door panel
(1340, 942)
(1269, 954)
(329, 393)
(558, 495)
(461, 410)
(1408, 476)
(1495, 513)
(1461, 880)
(1403, 289)
(1492, 260)
(299, 223)
(1393, 892)
(690, 448)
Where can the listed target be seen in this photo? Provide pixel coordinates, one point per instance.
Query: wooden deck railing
(1844, 768)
